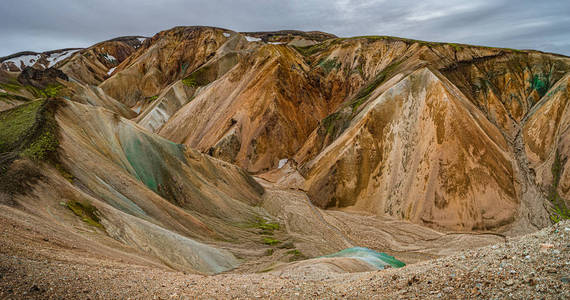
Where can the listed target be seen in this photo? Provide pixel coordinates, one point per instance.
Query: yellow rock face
(421, 152)
(547, 142)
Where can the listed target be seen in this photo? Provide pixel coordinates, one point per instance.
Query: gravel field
(532, 266)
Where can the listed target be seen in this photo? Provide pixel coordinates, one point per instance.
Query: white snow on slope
(282, 162)
(26, 60)
(54, 58)
(141, 40)
(252, 39)
(226, 34)
(111, 70)
(109, 57)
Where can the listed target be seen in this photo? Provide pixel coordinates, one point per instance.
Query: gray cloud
(40, 25)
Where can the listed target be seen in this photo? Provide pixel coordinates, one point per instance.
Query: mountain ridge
(205, 150)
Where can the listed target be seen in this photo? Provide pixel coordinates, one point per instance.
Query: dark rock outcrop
(41, 78)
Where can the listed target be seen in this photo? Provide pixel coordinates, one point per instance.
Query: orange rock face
(166, 57)
(259, 112)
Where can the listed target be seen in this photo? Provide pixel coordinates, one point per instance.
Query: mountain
(206, 150)
(19, 61)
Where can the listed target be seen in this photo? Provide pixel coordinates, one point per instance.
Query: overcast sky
(40, 25)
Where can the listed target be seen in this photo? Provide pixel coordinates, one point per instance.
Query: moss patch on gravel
(266, 227)
(263, 224)
(87, 212)
(270, 241)
(51, 91)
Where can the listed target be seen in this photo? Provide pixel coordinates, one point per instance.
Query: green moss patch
(16, 122)
(87, 212)
(267, 228)
(14, 87)
(364, 93)
(27, 131)
(43, 141)
(270, 241)
(44, 144)
(559, 211)
(51, 91)
(313, 49)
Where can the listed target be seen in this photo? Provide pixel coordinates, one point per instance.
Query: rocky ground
(533, 266)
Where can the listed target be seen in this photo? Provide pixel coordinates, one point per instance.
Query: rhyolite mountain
(206, 150)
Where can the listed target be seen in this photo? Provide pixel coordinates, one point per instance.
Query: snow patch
(26, 60)
(252, 39)
(141, 41)
(276, 43)
(111, 70)
(282, 162)
(109, 57)
(57, 57)
(226, 34)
